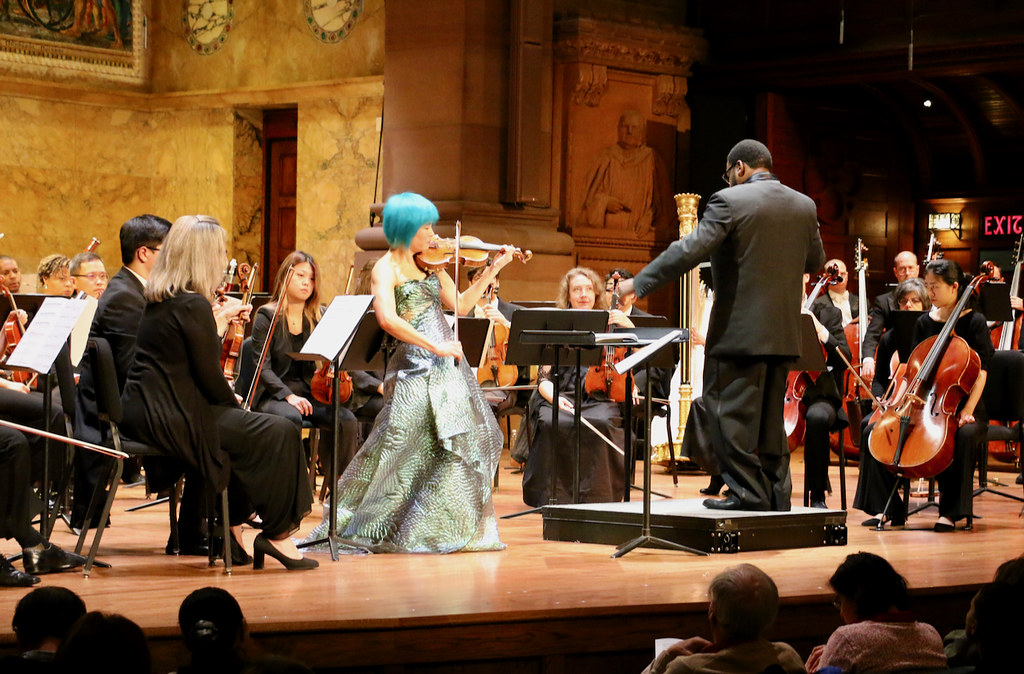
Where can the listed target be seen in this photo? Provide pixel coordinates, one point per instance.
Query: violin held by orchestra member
(177, 399)
(970, 342)
(422, 480)
(602, 469)
(284, 385)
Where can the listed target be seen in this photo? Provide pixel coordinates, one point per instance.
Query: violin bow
(875, 402)
(270, 334)
(458, 236)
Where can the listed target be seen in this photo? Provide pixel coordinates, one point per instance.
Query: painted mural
(106, 24)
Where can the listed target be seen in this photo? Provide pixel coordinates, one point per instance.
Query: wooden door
(280, 129)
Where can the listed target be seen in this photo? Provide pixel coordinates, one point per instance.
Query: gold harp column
(686, 211)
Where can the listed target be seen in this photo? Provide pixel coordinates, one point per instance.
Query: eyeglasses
(725, 176)
(93, 276)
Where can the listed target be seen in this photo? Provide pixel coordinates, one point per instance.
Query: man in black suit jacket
(761, 237)
(117, 320)
(904, 266)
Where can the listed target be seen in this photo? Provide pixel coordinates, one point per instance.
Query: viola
(798, 380)
(603, 377)
(494, 371)
(915, 432)
(472, 252)
(322, 384)
(855, 332)
(235, 334)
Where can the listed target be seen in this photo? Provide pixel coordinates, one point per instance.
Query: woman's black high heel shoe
(262, 547)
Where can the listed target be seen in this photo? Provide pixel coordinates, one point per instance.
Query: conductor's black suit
(761, 237)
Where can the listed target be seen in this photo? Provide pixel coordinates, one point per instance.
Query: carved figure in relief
(628, 186)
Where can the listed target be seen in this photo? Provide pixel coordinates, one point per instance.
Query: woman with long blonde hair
(177, 399)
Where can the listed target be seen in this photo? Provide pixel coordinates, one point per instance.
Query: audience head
(10, 274)
(104, 642)
(911, 295)
(580, 289)
(404, 214)
(54, 274)
(305, 284)
(1011, 571)
(44, 616)
(997, 624)
(905, 266)
(141, 238)
(744, 603)
(88, 274)
(212, 625)
(866, 585)
(192, 259)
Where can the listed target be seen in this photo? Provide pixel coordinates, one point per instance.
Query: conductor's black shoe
(819, 503)
(714, 486)
(49, 559)
(189, 548)
(11, 577)
(730, 502)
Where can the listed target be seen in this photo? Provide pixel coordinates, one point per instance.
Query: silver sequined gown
(422, 480)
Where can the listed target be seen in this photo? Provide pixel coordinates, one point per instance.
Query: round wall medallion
(332, 20)
(206, 23)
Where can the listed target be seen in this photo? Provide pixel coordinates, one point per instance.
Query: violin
(797, 381)
(235, 334)
(472, 252)
(603, 377)
(322, 384)
(915, 431)
(494, 371)
(14, 330)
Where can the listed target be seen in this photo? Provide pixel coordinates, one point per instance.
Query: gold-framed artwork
(332, 20)
(63, 39)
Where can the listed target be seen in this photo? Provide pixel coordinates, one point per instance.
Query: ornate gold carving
(669, 50)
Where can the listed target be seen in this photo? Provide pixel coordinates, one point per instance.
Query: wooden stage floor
(537, 606)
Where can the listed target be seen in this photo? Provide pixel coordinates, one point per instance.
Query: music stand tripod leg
(645, 539)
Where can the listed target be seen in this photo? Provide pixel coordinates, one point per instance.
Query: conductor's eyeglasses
(725, 176)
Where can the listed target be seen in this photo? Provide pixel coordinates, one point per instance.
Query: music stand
(347, 327)
(994, 302)
(645, 355)
(546, 337)
(902, 323)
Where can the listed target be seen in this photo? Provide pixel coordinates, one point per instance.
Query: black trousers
(15, 506)
(743, 398)
(323, 419)
(819, 422)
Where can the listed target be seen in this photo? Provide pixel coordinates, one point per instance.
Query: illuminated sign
(1002, 225)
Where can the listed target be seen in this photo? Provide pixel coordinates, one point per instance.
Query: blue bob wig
(404, 214)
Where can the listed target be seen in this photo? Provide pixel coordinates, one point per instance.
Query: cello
(797, 381)
(855, 333)
(915, 432)
(603, 377)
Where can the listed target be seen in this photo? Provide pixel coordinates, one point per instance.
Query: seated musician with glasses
(88, 274)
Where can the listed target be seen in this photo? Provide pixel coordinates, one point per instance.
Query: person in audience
(962, 646)
(10, 274)
(284, 387)
(997, 625)
(215, 632)
(879, 633)
(42, 619)
(88, 274)
(104, 642)
(602, 469)
(38, 556)
(178, 400)
(743, 604)
(54, 276)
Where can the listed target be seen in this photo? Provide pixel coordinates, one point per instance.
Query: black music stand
(349, 335)
(547, 337)
(645, 355)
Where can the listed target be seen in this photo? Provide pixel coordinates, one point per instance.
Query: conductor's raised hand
(626, 287)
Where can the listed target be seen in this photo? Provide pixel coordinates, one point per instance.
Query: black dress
(602, 469)
(875, 481)
(176, 398)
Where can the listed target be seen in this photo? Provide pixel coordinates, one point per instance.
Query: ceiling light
(927, 102)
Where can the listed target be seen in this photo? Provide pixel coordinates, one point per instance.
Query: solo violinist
(945, 284)
(602, 469)
(284, 387)
(422, 480)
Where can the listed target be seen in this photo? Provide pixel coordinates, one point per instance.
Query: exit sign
(1008, 224)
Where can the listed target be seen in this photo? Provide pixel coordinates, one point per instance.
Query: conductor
(761, 237)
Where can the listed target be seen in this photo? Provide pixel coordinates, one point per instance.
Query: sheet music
(341, 319)
(56, 320)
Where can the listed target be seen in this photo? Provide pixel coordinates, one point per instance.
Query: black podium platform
(688, 523)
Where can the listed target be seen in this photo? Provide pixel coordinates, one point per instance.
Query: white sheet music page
(338, 323)
(50, 328)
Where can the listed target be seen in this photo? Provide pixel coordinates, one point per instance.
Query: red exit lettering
(1002, 225)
